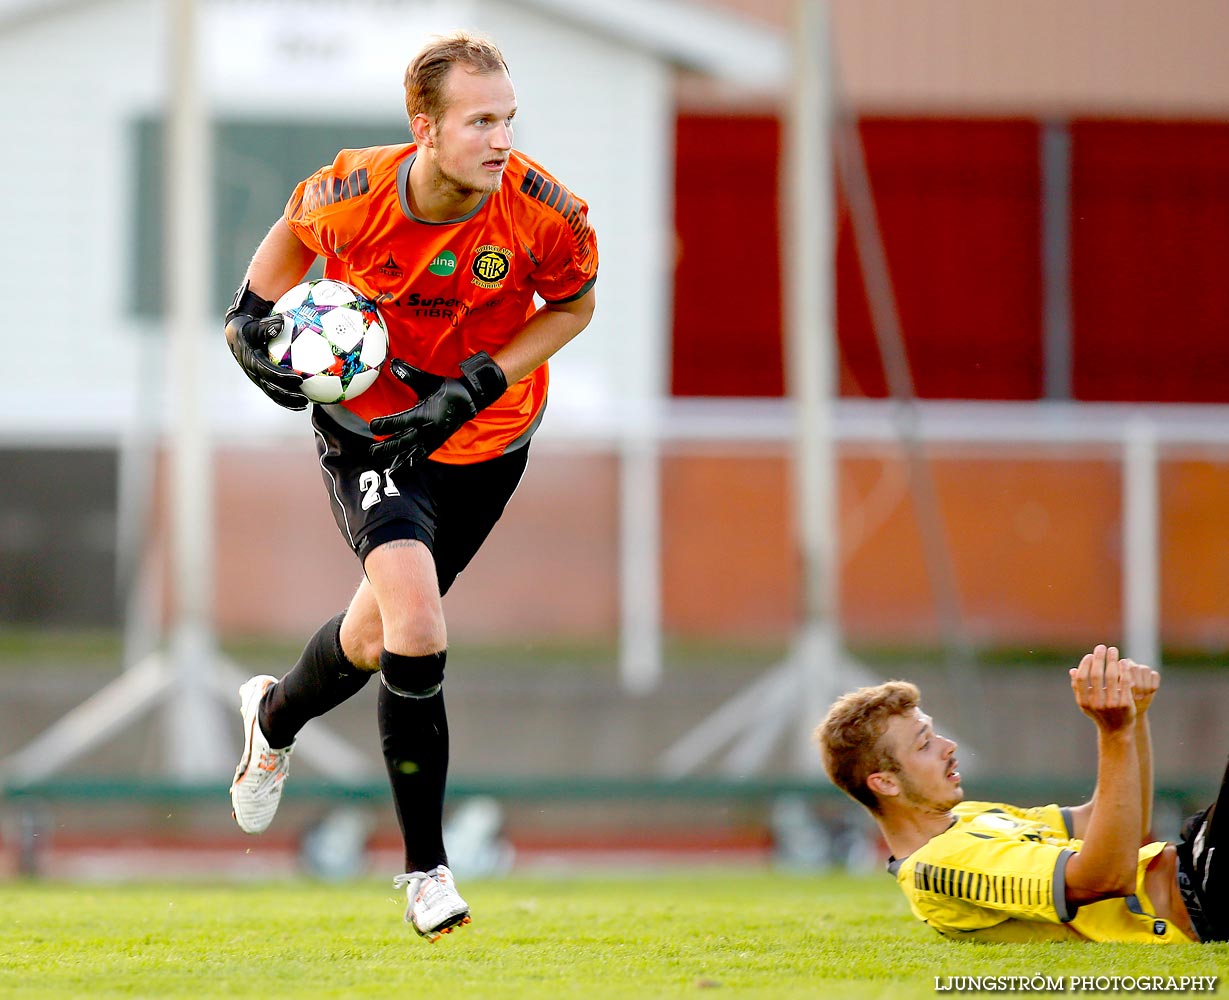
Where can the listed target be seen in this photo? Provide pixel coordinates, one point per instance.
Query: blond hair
(850, 737)
(427, 71)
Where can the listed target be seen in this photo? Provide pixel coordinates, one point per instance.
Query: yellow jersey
(997, 874)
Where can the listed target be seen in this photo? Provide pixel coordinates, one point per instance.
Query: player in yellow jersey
(453, 234)
(995, 872)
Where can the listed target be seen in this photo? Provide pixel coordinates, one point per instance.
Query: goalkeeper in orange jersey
(996, 872)
(453, 235)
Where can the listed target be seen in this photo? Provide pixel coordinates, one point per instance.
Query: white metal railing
(1142, 434)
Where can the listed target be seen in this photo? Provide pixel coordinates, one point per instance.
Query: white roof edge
(720, 44)
(14, 13)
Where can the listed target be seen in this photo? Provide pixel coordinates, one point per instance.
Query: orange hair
(427, 72)
(850, 737)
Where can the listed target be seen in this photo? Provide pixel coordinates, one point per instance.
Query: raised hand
(1144, 684)
(1102, 686)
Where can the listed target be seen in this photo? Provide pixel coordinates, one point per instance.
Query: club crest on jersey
(491, 266)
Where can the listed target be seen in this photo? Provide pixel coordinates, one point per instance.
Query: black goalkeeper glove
(249, 328)
(444, 404)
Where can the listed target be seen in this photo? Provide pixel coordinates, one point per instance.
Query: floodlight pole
(1141, 548)
(190, 678)
(808, 271)
(791, 698)
(807, 228)
(193, 722)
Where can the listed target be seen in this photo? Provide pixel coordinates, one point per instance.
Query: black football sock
(414, 737)
(321, 680)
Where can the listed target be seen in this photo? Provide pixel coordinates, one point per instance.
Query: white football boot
(261, 774)
(433, 905)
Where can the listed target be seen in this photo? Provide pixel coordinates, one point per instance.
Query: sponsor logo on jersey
(445, 263)
(453, 309)
(390, 267)
(491, 266)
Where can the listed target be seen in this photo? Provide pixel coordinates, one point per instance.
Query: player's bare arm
(446, 403)
(279, 263)
(1105, 867)
(548, 330)
(1144, 684)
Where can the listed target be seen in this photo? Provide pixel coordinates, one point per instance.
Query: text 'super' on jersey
(997, 874)
(448, 290)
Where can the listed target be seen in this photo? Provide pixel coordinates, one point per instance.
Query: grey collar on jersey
(403, 180)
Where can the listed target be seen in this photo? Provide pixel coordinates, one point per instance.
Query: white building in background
(595, 83)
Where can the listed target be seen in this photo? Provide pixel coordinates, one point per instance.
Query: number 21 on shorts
(369, 483)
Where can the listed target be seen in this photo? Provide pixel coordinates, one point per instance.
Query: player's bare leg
(413, 723)
(1162, 880)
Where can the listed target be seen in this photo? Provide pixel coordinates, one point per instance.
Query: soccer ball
(333, 336)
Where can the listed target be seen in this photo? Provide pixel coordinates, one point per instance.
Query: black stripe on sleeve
(572, 298)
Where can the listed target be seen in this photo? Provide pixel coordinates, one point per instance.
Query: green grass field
(724, 933)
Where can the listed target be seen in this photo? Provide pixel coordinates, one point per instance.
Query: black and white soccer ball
(333, 336)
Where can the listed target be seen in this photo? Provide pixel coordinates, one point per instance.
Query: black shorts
(1203, 867)
(449, 508)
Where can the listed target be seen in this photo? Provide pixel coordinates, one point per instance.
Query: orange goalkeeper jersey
(450, 289)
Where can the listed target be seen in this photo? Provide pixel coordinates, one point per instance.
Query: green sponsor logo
(445, 263)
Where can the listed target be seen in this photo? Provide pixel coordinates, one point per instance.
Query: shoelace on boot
(429, 886)
(271, 760)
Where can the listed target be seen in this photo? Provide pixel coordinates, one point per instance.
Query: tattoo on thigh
(401, 543)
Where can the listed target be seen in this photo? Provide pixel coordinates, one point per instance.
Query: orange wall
(1034, 548)
(283, 566)
(1100, 57)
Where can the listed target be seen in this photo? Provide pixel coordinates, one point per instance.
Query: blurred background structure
(1029, 220)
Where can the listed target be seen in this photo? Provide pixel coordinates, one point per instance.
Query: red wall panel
(959, 206)
(1150, 246)
(727, 289)
(958, 203)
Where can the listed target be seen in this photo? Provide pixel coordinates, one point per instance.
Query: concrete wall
(1148, 58)
(1034, 547)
